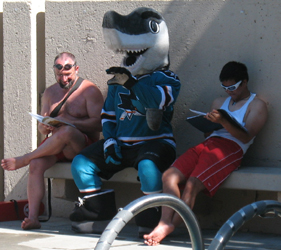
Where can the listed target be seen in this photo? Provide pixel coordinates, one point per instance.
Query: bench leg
(279, 196)
(48, 202)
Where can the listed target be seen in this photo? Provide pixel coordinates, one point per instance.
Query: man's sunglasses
(65, 67)
(232, 87)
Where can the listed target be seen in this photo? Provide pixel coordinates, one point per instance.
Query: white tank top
(239, 116)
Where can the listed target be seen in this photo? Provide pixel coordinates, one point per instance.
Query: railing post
(137, 206)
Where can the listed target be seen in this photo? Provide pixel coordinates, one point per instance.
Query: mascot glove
(112, 152)
(122, 77)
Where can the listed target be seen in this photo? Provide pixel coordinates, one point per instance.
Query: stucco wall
(20, 91)
(1, 101)
(17, 86)
(204, 35)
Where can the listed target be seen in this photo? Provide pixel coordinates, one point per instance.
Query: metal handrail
(231, 226)
(141, 204)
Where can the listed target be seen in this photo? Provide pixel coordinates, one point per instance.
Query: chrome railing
(260, 208)
(153, 200)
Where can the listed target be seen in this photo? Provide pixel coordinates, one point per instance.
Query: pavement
(57, 234)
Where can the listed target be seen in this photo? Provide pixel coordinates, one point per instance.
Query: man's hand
(112, 152)
(45, 129)
(215, 116)
(122, 77)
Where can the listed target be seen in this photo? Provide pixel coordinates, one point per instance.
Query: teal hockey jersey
(124, 111)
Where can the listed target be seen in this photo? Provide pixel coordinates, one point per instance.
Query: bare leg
(192, 187)
(170, 219)
(36, 190)
(171, 178)
(67, 139)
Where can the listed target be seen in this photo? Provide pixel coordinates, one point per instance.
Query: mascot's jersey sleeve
(123, 114)
(158, 90)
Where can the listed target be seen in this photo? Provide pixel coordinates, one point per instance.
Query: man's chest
(74, 106)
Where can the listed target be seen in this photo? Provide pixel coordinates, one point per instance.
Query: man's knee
(167, 174)
(65, 132)
(36, 167)
(172, 176)
(194, 185)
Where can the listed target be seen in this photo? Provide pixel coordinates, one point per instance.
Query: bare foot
(28, 224)
(14, 163)
(158, 234)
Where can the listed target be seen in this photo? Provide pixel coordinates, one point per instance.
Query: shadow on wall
(19, 190)
(203, 37)
(41, 59)
(206, 35)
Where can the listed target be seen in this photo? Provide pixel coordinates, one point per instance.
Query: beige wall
(20, 91)
(1, 101)
(204, 35)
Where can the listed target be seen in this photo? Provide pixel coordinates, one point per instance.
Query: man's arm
(255, 119)
(45, 109)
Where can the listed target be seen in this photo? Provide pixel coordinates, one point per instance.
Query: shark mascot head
(142, 36)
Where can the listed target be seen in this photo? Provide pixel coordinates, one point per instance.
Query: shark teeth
(131, 51)
(136, 51)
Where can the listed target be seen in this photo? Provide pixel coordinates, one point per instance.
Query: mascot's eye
(154, 26)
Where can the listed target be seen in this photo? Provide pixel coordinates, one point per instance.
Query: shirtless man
(205, 166)
(82, 109)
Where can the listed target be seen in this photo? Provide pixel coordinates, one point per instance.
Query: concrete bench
(63, 171)
(244, 186)
(246, 177)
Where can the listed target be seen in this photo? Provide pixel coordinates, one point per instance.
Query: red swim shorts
(211, 161)
(61, 157)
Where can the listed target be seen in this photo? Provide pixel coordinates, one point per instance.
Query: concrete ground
(57, 234)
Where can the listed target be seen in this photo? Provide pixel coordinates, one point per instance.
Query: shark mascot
(136, 119)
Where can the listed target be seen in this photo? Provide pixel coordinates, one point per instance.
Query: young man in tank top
(206, 166)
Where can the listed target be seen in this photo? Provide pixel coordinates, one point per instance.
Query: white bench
(62, 170)
(246, 178)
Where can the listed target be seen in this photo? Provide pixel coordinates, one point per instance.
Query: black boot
(147, 220)
(95, 207)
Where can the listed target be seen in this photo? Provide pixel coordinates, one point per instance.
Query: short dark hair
(234, 71)
(68, 54)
